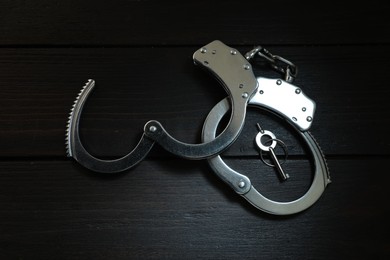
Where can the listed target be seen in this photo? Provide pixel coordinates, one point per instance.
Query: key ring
(284, 147)
(231, 69)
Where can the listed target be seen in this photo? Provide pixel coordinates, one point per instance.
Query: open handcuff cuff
(235, 74)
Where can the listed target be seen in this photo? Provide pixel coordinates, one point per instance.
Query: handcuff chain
(277, 62)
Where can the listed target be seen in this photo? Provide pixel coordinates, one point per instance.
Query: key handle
(263, 146)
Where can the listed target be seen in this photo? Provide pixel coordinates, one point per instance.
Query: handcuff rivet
(261, 91)
(233, 52)
(152, 129)
(309, 119)
(214, 52)
(241, 184)
(303, 109)
(298, 91)
(247, 66)
(203, 50)
(278, 82)
(245, 95)
(241, 85)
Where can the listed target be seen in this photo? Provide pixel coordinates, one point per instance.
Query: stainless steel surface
(239, 182)
(321, 173)
(285, 99)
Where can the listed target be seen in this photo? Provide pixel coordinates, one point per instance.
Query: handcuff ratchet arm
(76, 149)
(234, 73)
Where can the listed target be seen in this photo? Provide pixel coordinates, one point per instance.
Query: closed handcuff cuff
(235, 74)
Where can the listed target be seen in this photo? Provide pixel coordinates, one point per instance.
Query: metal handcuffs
(235, 74)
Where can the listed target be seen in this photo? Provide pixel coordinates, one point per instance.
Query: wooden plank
(132, 23)
(135, 85)
(179, 209)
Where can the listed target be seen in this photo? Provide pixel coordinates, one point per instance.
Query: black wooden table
(140, 54)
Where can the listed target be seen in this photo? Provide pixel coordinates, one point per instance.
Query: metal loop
(284, 147)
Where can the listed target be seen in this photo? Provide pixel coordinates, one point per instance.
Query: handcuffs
(235, 74)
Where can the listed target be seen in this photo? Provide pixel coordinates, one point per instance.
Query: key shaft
(278, 167)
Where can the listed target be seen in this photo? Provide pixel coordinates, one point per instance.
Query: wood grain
(152, 23)
(179, 209)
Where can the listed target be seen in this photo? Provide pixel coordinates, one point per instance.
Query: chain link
(277, 62)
